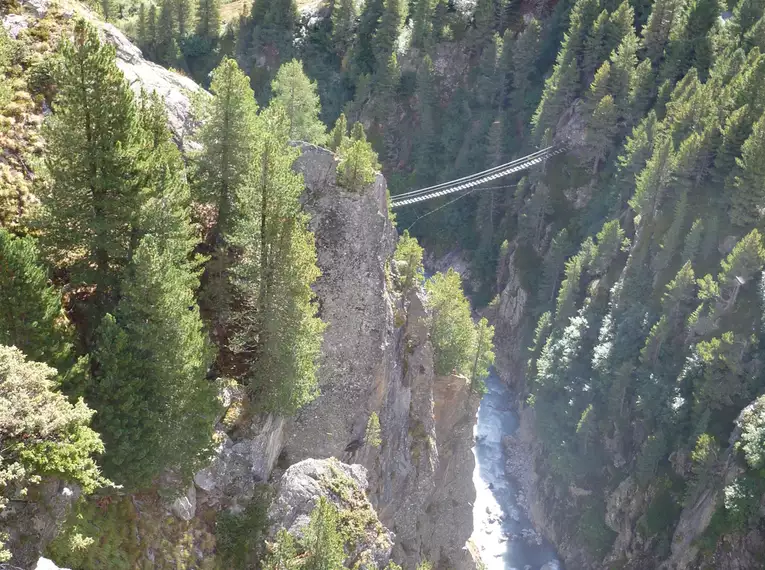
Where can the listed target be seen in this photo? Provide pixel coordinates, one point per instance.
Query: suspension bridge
(476, 179)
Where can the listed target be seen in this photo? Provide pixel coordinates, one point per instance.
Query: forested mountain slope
(170, 259)
(630, 267)
(624, 277)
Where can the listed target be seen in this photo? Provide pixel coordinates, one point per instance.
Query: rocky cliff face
(377, 359)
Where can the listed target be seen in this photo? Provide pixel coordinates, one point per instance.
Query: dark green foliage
(297, 96)
(452, 329)
(227, 136)
(323, 540)
(358, 162)
(93, 156)
(208, 19)
(408, 256)
(274, 327)
(748, 185)
(240, 537)
(339, 133)
(31, 317)
(151, 358)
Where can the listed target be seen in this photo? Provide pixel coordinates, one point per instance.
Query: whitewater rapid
(502, 533)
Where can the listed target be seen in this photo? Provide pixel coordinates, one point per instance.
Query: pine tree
(275, 327)
(165, 212)
(141, 27)
(741, 265)
(426, 160)
(339, 133)
(610, 240)
(156, 408)
(387, 90)
(525, 55)
(109, 9)
(323, 540)
(696, 49)
(484, 355)
(671, 240)
(408, 257)
(452, 331)
(621, 24)
(281, 553)
(167, 51)
(227, 137)
(43, 434)
(297, 95)
(183, 17)
(386, 36)
(364, 56)
(560, 91)
(150, 47)
(595, 47)
(746, 15)
(653, 180)
(422, 23)
(565, 306)
(358, 161)
(599, 87)
(601, 130)
(357, 132)
(692, 241)
(665, 16)
(747, 194)
(208, 19)
(94, 147)
(483, 23)
(553, 264)
(31, 317)
(344, 15)
(642, 90)
(622, 76)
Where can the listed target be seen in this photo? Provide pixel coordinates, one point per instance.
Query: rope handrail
(474, 179)
(469, 177)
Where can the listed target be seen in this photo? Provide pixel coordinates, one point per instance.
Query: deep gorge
(216, 272)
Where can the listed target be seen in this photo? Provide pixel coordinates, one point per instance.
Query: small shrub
(372, 435)
(240, 537)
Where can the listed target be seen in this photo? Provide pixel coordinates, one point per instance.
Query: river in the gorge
(502, 532)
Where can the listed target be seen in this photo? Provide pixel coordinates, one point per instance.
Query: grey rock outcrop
(510, 324)
(298, 493)
(32, 521)
(185, 506)
(377, 357)
(354, 239)
(239, 466)
(174, 89)
(45, 564)
(697, 514)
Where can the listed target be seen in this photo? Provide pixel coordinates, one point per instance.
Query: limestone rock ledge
(298, 493)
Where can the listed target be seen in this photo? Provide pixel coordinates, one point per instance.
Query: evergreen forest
(137, 279)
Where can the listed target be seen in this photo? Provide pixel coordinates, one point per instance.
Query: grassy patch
(357, 518)
(126, 533)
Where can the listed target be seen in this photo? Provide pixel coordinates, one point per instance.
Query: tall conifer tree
(94, 152)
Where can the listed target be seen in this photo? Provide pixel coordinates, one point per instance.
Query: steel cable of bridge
(471, 177)
(477, 179)
(460, 197)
